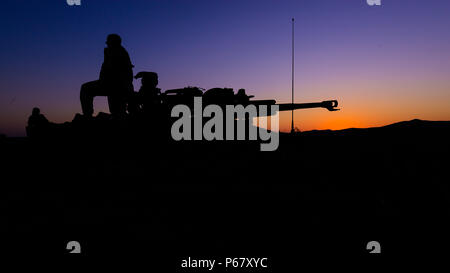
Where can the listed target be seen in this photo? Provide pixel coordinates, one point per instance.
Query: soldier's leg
(117, 100)
(132, 102)
(88, 91)
(117, 105)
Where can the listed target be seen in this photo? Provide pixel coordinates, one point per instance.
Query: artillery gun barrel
(330, 105)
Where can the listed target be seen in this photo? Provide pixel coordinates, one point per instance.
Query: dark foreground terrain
(321, 194)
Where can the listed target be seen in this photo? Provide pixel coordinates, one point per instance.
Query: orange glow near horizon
(358, 109)
(381, 104)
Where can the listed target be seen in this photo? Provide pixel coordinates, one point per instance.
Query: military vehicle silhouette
(221, 97)
(151, 107)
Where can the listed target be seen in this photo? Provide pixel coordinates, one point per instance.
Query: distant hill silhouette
(415, 124)
(103, 124)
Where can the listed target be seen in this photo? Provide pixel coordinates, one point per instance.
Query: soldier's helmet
(113, 40)
(148, 79)
(36, 111)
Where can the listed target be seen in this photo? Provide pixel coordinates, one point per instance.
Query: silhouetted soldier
(149, 96)
(242, 97)
(115, 82)
(37, 123)
(36, 118)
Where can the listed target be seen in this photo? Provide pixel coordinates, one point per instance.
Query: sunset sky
(383, 64)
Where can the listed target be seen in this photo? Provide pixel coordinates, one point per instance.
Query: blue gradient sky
(384, 64)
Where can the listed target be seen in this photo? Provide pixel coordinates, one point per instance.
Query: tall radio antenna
(292, 98)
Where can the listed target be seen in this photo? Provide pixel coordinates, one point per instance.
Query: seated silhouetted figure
(115, 81)
(149, 96)
(37, 123)
(242, 97)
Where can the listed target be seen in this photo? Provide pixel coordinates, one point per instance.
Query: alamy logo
(374, 2)
(73, 2)
(74, 247)
(214, 128)
(373, 247)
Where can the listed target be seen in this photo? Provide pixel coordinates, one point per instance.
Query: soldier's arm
(128, 64)
(102, 70)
